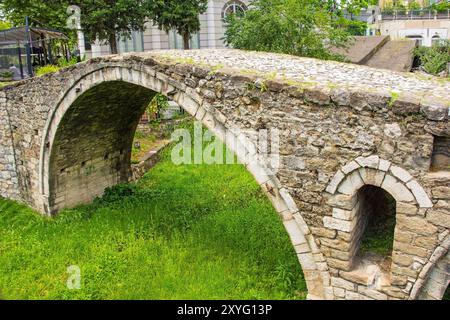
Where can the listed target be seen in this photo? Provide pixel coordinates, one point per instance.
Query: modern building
(425, 25)
(211, 34)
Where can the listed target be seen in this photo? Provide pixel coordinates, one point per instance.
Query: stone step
(395, 55)
(362, 48)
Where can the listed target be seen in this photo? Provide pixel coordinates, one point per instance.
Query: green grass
(182, 232)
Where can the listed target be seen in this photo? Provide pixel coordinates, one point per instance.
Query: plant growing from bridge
(181, 16)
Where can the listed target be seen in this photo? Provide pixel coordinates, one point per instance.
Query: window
(418, 38)
(134, 43)
(233, 7)
(176, 41)
(435, 40)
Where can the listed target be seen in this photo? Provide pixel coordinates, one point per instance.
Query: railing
(389, 15)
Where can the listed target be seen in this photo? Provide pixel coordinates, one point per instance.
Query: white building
(211, 34)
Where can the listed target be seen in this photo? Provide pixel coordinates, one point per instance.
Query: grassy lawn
(182, 232)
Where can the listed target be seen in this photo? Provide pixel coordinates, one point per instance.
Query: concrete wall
(426, 28)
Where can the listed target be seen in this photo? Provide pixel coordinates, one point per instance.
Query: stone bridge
(351, 138)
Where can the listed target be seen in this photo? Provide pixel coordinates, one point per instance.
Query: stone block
(402, 259)
(410, 249)
(372, 176)
(359, 276)
(397, 189)
(351, 166)
(351, 184)
(342, 283)
(426, 242)
(406, 208)
(334, 183)
(400, 173)
(441, 192)
(294, 232)
(415, 224)
(339, 292)
(342, 201)
(384, 165)
(355, 296)
(323, 232)
(371, 293)
(439, 218)
(337, 224)
(343, 214)
(421, 196)
(339, 264)
(368, 162)
(403, 236)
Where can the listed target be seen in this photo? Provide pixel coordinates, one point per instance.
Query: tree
(298, 27)
(183, 16)
(107, 19)
(100, 19)
(4, 25)
(51, 14)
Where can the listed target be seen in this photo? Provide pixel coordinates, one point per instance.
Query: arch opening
(375, 211)
(92, 146)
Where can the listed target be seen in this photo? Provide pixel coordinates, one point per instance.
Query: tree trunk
(186, 39)
(113, 44)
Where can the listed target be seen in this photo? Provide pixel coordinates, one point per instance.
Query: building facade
(425, 25)
(211, 34)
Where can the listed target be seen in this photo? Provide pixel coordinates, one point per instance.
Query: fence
(389, 15)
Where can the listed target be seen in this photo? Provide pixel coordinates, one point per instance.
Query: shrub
(6, 74)
(118, 192)
(46, 69)
(434, 60)
(63, 63)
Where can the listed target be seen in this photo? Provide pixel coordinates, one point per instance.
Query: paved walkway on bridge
(319, 73)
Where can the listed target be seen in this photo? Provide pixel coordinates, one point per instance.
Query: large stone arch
(316, 275)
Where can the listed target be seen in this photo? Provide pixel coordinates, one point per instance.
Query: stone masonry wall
(9, 187)
(340, 128)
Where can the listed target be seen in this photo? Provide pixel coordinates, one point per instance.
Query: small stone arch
(410, 198)
(311, 260)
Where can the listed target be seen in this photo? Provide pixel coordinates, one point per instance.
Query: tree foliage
(181, 16)
(106, 19)
(4, 25)
(298, 27)
(51, 14)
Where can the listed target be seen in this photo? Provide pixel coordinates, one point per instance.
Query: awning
(19, 35)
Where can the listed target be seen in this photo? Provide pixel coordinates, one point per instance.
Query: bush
(6, 74)
(434, 60)
(46, 69)
(118, 192)
(63, 63)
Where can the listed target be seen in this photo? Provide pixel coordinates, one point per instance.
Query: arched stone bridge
(344, 128)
